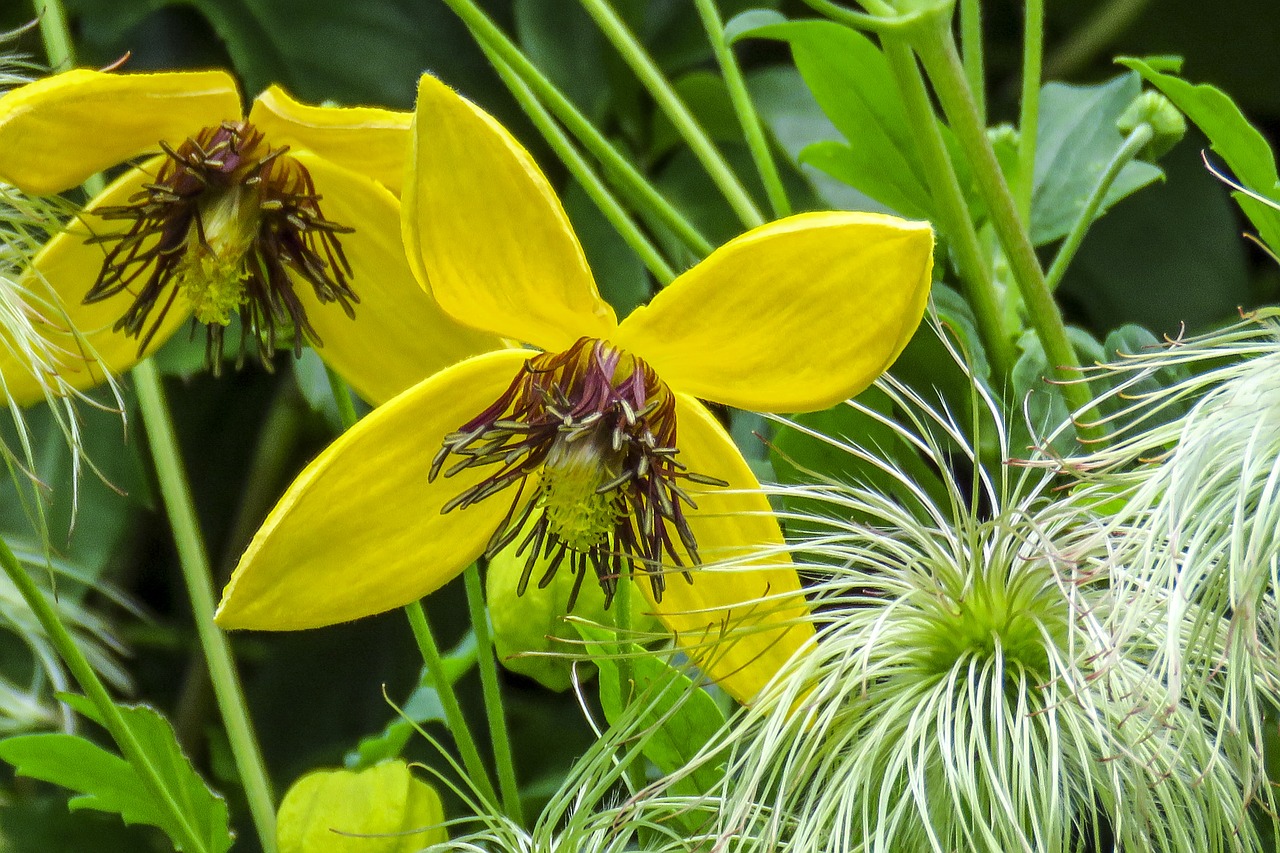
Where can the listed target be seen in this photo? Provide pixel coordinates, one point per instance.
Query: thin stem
(449, 702)
(454, 719)
(1109, 20)
(1133, 144)
(194, 561)
(582, 171)
(1029, 113)
(486, 659)
(952, 209)
(971, 42)
(634, 769)
(877, 22)
(745, 109)
(634, 185)
(130, 747)
(54, 34)
(634, 54)
(938, 51)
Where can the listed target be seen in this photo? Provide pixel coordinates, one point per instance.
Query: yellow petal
(62, 273)
(368, 140)
(399, 335)
(486, 234)
(741, 620)
(360, 531)
(56, 132)
(793, 316)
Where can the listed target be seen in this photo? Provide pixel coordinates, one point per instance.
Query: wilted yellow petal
(793, 316)
(56, 132)
(368, 140)
(487, 235)
(399, 335)
(740, 620)
(61, 274)
(360, 531)
(383, 809)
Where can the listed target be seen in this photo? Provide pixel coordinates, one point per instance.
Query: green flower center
(595, 428)
(231, 224)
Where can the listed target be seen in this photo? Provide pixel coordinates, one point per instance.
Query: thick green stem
(745, 109)
(130, 747)
(194, 561)
(1133, 145)
(634, 185)
(582, 172)
(449, 701)
(1029, 113)
(54, 34)
(971, 42)
(951, 208)
(634, 54)
(938, 51)
(486, 658)
(454, 719)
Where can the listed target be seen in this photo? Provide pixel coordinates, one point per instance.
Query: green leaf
(1077, 139)
(850, 79)
(675, 715)
(743, 25)
(1233, 138)
(109, 783)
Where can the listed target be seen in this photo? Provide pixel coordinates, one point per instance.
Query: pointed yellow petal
(62, 273)
(793, 316)
(741, 620)
(399, 335)
(368, 140)
(360, 531)
(56, 132)
(486, 234)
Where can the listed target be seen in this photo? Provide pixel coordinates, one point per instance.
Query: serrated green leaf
(676, 717)
(104, 781)
(203, 810)
(1077, 139)
(1232, 137)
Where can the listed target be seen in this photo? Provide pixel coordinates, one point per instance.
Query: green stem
(449, 702)
(194, 561)
(879, 21)
(454, 719)
(1029, 113)
(634, 762)
(582, 172)
(1108, 21)
(487, 661)
(971, 41)
(55, 34)
(130, 747)
(637, 188)
(1133, 145)
(952, 208)
(938, 51)
(634, 54)
(745, 109)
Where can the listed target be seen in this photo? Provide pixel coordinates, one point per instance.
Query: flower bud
(1166, 121)
(382, 809)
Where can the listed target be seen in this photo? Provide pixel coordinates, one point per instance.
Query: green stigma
(212, 272)
(578, 506)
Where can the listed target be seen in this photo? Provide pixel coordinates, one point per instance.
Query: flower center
(594, 429)
(228, 223)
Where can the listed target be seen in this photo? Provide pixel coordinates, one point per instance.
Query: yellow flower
(288, 218)
(596, 440)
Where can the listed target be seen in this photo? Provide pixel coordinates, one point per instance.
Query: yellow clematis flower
(606, 459)
(288, 218)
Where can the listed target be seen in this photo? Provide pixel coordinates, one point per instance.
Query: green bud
(1167, 123)
(530, 631)
(336, 811)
